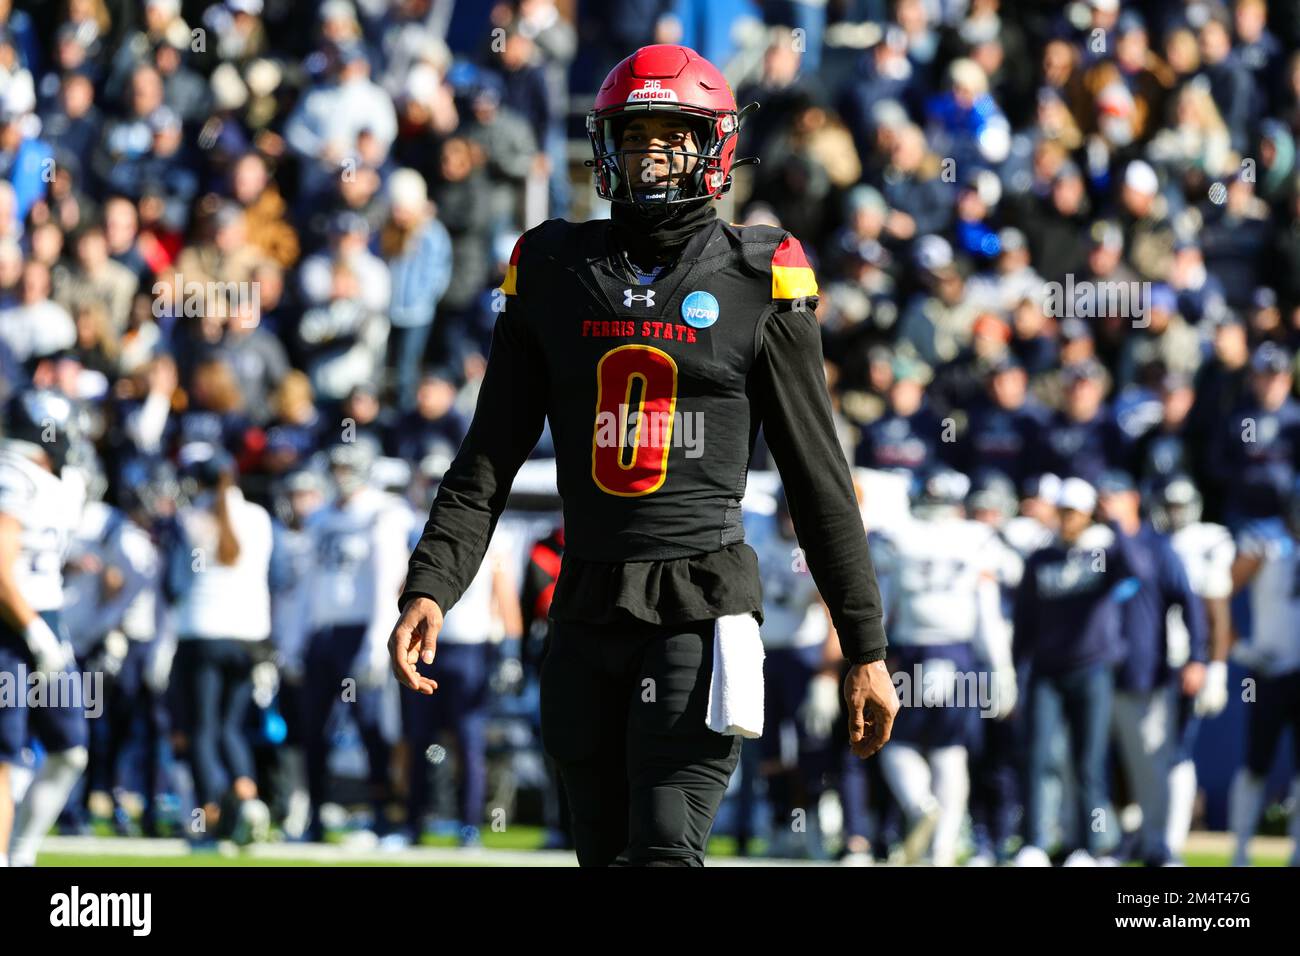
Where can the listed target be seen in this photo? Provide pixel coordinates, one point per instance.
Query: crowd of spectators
(1049, 237)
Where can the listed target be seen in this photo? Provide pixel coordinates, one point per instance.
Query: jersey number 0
(636, 399)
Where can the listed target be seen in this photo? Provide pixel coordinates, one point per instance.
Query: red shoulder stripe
(790, 253)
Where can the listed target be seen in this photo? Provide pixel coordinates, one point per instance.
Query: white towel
(736, 689)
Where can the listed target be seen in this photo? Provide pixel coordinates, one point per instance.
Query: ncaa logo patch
(700, 309)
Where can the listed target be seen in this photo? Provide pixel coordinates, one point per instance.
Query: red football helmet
(667, 79)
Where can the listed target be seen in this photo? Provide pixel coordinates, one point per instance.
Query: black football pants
(623, 717)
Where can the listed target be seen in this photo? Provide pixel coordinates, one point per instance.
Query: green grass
(1205, 852)
(209, 860)
(1215, 859)
(206, 859)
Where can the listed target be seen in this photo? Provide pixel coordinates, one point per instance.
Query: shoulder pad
(1257, 534)
(773, 252)
(17, 488)
(552, 239)
(792, 276)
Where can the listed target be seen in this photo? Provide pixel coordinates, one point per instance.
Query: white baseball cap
(406, 188)
(1077, 495)
(1140, 177)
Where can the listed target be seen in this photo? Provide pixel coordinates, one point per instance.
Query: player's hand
(1193, 678)
(1006, 693)
(1214, 692)
(873, 703)
(415, 638)
(49, 652)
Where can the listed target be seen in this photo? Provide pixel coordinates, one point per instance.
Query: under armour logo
(629, 297)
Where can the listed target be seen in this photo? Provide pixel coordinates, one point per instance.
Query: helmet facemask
(1177, 506)
(631, 169)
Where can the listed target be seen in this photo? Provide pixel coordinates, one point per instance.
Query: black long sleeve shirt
(673, 553)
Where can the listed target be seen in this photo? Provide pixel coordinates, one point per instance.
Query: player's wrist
(863, 658)
(410, 599)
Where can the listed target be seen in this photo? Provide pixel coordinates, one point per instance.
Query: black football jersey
(654, 393)
(646, 391)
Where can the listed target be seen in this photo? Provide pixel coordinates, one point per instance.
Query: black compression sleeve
(788, 389)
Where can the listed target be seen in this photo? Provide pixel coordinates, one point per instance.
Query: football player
(1267, 562)
(938, 574)
(359, 541)
(39, 510)
(995, 803)
(1146, 688)
(489, 607)
(656, 343)
(297, 496)
(112, 567)
(800, 679)
(1207, 552)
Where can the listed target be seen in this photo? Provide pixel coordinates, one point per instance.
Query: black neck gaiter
(652, 237)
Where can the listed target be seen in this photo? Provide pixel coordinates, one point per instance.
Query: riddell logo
(652, 91)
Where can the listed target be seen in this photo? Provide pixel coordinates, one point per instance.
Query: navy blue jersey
(1080, 449)
(1257, 458)
(1162, 583)
(894, 441)
(1066, 616)
(1003, 439)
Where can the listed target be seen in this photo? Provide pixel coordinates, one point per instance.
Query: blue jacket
(1161, 583)
(1003, 439)
(1066, 617)
(1081, 449)
(1256, 458)
(30, 171)
(420, 276)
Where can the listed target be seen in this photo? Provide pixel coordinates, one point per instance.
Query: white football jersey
(792, 614)
(48, 508)
(115, 541)
(1207, 552)
(359, 562)
(1027, 535)
(931, 573)
(1274, 644)
(470, 620)
(291, 599)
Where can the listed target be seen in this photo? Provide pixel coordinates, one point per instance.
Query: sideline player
(359, 541)
(938, 574)
(39, 510)
(1268, 560)
(1207, 552)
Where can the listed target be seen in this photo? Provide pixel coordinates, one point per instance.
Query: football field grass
(519, 847)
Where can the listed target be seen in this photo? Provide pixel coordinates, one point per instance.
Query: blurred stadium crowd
(256, 242)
